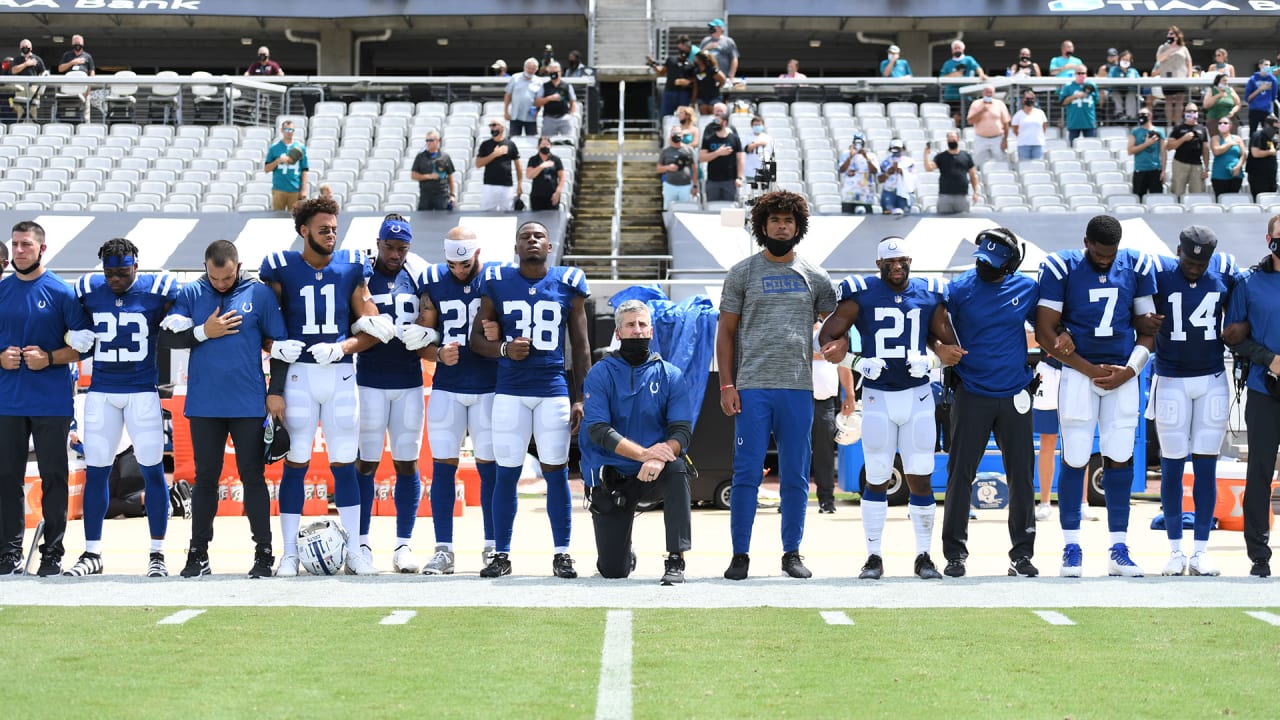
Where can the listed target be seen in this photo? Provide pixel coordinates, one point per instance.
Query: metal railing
(615, 225)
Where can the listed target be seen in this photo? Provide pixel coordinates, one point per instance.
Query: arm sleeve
(184, 340)
(1255, 351)
(604, 436)
(279, 371)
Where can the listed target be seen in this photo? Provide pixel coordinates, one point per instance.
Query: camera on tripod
(765, 180)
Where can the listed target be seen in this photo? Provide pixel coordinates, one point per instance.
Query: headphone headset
(1004, 237)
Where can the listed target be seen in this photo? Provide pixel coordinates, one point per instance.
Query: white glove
(177, 323)
(919, 365)
(379, 326)
(81, 340)
(326, 353)
(416, 337)
(287, 350)
(869, 368)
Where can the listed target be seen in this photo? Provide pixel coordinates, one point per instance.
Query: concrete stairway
(641, 221)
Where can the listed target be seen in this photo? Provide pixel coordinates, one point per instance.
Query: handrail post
(615, 232)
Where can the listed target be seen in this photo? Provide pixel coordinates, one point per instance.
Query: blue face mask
(757, 129)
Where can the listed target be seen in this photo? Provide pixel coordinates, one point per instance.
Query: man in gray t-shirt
(675, 165)
(763, 353)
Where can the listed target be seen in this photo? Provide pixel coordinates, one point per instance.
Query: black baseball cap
(1197, 242)
(275, 440)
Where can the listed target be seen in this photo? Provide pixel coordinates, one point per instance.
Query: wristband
(502, 349)
(49, 355)
(1138, 359)
(726, 387)
(200, 334)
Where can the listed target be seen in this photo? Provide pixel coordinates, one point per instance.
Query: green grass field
(543, 663)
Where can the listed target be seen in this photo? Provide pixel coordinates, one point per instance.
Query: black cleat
(633, 560)
(1261, 568)
(263, 561)
(674, 572)
(872, 569)
(793, 565)
(11, 565)
(156, 566)
(51, 565)
(499, 566)
(197, 564)
(738, 567)
(1022, 567)
(925, 569)
(955, 567)
(562, 566)
(827, 507)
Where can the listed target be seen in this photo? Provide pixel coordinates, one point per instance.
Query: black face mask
(25, 51)
(957, 55)
(544, 151)
(987, 273)
(262, 58)
(1273, 243)
(779, 248)
(77, 48)
(554, 76)
(953, 145)
(495, 132)
(634, 350)
(1144, 119)
(1029, 103)
(30, 268)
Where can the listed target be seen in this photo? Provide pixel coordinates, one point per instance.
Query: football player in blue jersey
(1098, 295)
(43, 330)
(226, 394)
(1190, 394)
(125, 308)
(899, 318)
(990, 307)
(329, 316)
(461, 391)
(533, 303)
(764, 341)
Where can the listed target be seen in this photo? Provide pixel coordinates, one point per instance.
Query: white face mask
(1124, 64)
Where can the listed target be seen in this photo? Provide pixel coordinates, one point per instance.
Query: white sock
(1175, 545)
(401, 541)
(364, 540)
(1071, 537)
(289, 523)
(157, 545)
(559, 549)
(922, 522)
(1202, 546)
(93, 546)
(349, 516)
(490, 543)
(873, 515)
(449, 547)
(1117, 538)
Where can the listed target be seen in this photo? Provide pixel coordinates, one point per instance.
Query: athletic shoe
(1121, 564)
(198, 564)
(359, 562)
(440, 564)
(1088, 513)
(925, 569)
(262, 562)
(1177, 564)
(88, 564)
(1044, 511)
(288, 566)
(1022, 567)
(11, 565)
(955, 567)
(1261, 568)
(499, 566)
(1202, 564)
(50, 566)
(486, 555)
(403, 561)
(738, 567)
(562, 566)
(633, 559)
(156, 568)
(872, 569)
(180, 499)
(674, 569)
(1072, 560)
(793, 565)
(827, 507)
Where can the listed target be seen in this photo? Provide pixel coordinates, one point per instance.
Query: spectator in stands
(1024, 67)
(574, 66)
(1260, 94)
(287, 163)
(990, 118)
(548, 57)
(325, 191)
(1066, 64)
(959, 65)
(4, 259)
(897, 179)
(1189, 142)
(707, 81)
(498, 156)
(1173, 60)
(558, 102)
(547, 177)
(857, 177)
(1028, 127)
(518, 106)
(725, 49)
(1229, 152)
(265, 65)
(756, 150)
(685, 119)
(1220, 64)
(499, 68)
(1080, 98)
(1113, 61)
(1125, 100)
(1261, 165)
(893, 65)
(957, 176)
(678, 69)
(1221, 101)
(676, 168)
(31, 65)
(1146, 145)
(77, 58)
(436, 177)
(720, 116)
(793, 71)
(722, 152)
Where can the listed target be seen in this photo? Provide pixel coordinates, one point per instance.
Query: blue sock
(875, 495)
(505, 504)
(346, 488)
(408, 495)
(291, 490)
(443, 492)
(156, 499)
(559, 506)
(365, 481)
(488, 477)
(742, 516)
(1116, 484)
(1171, 495)
(1070, 495)
(97, 494)
(1204, 491)
(923, 500)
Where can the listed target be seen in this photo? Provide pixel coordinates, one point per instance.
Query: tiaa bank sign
(1145, 7)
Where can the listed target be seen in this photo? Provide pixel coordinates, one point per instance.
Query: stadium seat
(1244, 209)
(1152, 199)
(1229, 199)
(1165, 209)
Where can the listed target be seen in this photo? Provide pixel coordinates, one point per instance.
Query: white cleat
(288, 566)
(1121, 564)
(1202, 564)
(365, 551)
(1044, 511)
(1088, 513)
(404, 561)
(1177, 564)
(359, 563)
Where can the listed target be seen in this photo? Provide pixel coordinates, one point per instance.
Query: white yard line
(613, 701)
(1054, 618)
(398, 617)
(835, 617)
(1266, 617)
(181, 617)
